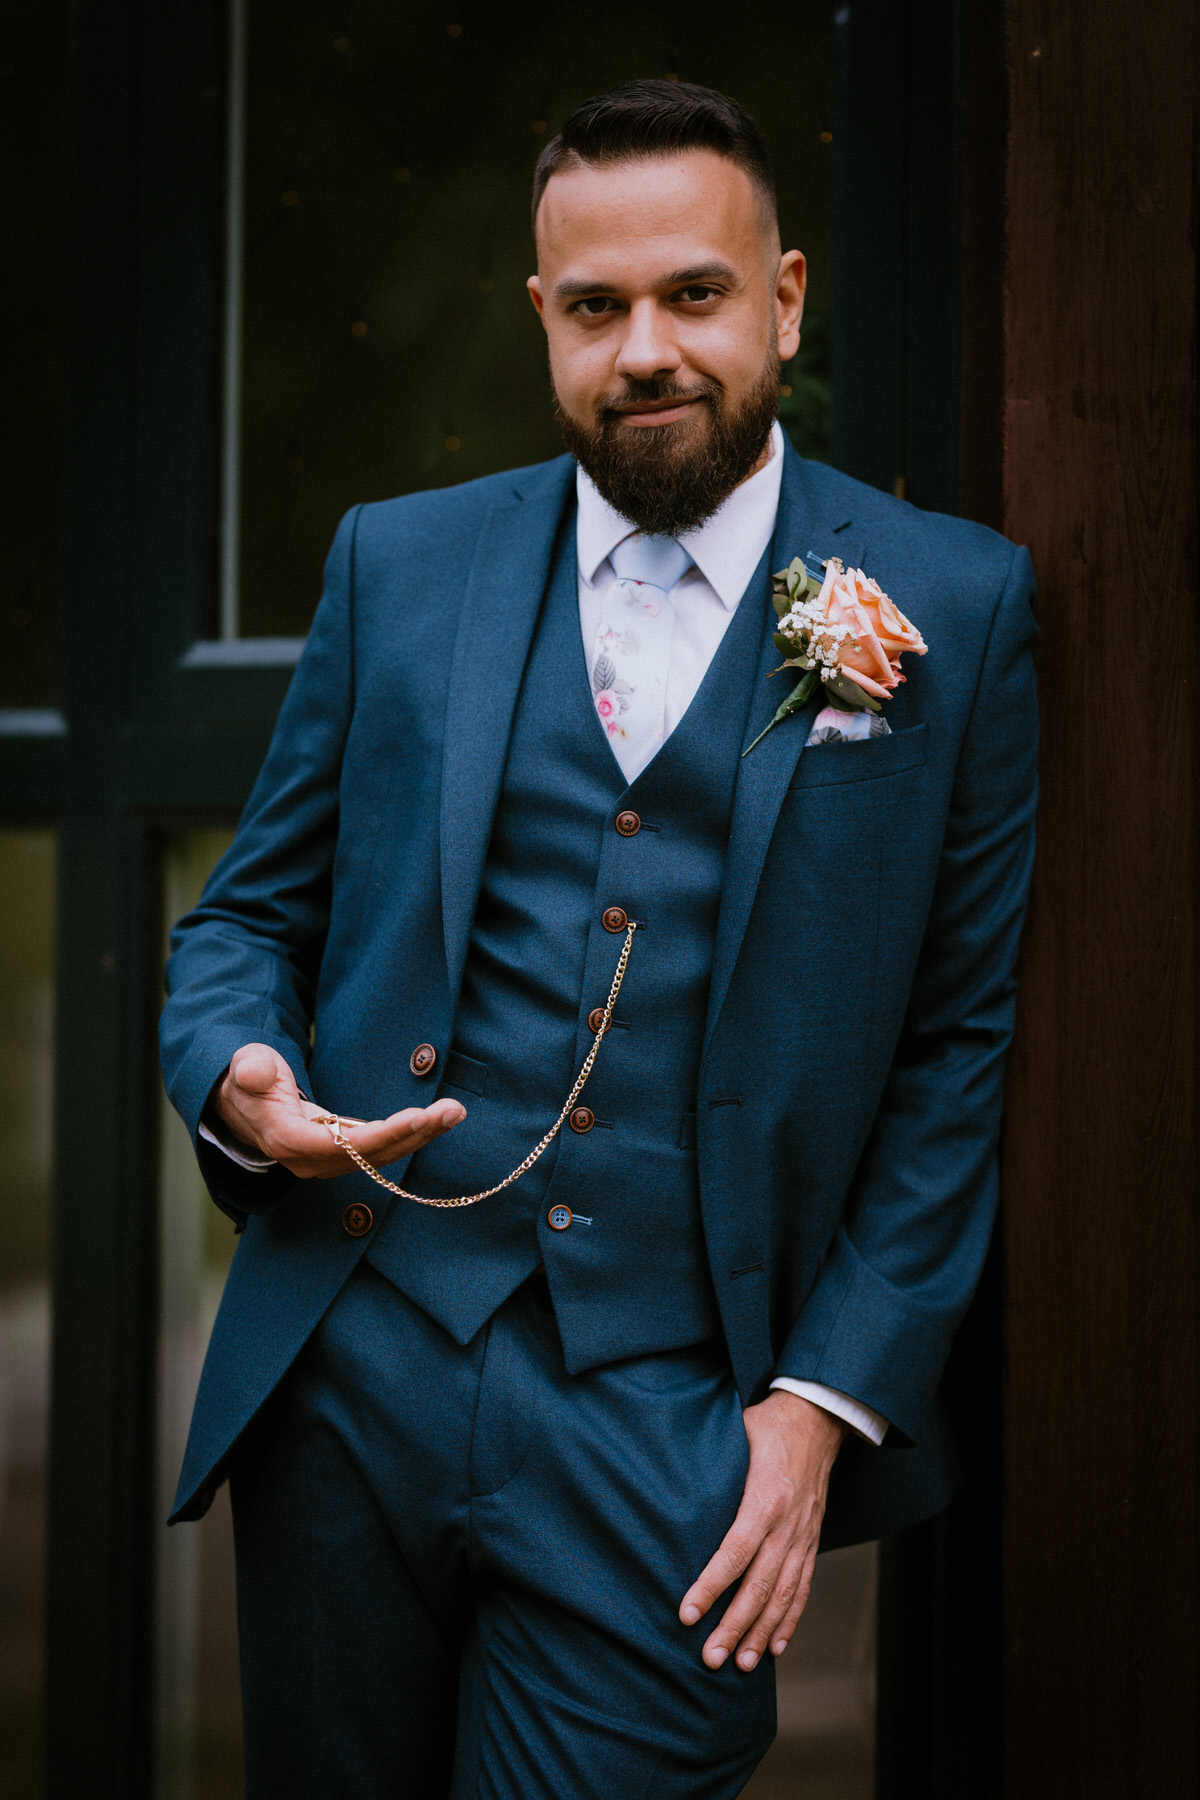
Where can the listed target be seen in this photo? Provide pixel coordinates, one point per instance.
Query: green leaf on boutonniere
(792, 586)
(795, 700)
(786, 646)
(847, 694)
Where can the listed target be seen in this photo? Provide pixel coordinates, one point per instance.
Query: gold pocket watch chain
(334, 1122)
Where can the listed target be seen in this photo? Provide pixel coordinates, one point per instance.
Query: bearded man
(528, 1482)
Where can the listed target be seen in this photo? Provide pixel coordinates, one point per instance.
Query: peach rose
(895, 633)
(880, 630)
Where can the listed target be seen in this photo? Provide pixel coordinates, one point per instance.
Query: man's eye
(593, 306)
(696, 295)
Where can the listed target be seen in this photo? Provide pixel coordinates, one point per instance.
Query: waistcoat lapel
(503, 595)
(763, 776)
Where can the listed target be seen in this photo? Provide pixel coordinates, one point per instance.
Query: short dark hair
(644, 119)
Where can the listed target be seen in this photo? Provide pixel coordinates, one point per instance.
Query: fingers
(732, 1556)
(780, 1616)
(306, 1146)
(404, 1132)
(753, 1598)
(781, 1635)
(768, 1604)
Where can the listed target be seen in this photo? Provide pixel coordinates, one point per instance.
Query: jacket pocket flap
(821, 765)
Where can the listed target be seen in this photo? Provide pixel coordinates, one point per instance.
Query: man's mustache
(639, 393)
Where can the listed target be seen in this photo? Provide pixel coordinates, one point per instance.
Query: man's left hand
(772, 1543)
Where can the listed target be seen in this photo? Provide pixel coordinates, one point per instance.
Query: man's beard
(669, 479)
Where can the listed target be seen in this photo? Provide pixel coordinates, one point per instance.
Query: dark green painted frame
(160, 729)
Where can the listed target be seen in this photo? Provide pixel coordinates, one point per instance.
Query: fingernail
(689, 1614)
(718, 1657)
(747, 1659)
(779, 1646)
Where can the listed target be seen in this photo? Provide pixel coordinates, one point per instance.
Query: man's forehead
(689, 209)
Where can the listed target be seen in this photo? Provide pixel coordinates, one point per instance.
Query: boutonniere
(844, 634)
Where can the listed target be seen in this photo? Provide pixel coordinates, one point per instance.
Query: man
(528, 1488)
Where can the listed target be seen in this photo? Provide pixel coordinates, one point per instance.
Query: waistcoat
(628, 1275)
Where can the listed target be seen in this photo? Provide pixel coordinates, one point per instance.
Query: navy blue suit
(793, 1170)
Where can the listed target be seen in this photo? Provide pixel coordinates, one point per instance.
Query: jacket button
(628, 824)
(422, 1059)
(559, 1217)
(614, 918)
(596, 1019)
(357, 1220)
(582, 1119)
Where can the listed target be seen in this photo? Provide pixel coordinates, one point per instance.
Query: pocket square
(833, 726)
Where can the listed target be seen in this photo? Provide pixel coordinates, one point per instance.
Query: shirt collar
(726, 550)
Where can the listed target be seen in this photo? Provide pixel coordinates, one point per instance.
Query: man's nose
(648, 347)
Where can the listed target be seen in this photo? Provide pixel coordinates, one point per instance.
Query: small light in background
(486, 284)
(295, 464)
(453, 443)
(341, 43)
(539, 125)
(359, 328)
(289, 197)
(827, 137)
(403, 174)
(785, 392)
(454, 31)
(672, 78)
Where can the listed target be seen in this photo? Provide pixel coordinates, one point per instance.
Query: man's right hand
(260, 1105)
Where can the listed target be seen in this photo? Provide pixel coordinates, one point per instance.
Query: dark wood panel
(1099, 1242)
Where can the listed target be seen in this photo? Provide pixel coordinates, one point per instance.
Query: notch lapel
(509, 573)
(764, 775)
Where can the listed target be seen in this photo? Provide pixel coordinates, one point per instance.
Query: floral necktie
(632, 653)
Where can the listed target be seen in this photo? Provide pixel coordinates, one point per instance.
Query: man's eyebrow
(701, 272)
(575, 289)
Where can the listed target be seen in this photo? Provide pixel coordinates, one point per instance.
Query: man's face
(668, 310)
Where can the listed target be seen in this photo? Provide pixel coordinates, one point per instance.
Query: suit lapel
(503, 596)
(764, 775)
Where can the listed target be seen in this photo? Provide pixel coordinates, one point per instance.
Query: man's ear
(789, 302)
(535, 294)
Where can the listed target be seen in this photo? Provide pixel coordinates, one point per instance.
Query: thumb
(256, 1068)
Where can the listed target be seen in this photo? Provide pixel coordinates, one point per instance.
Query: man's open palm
(259, 1102)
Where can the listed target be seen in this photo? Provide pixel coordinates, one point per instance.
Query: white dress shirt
(725, 553)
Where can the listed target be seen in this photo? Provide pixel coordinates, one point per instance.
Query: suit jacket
(862, 990)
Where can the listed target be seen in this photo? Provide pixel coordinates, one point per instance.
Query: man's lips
(656, 412)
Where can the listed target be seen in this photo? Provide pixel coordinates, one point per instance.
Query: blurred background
(265, 261)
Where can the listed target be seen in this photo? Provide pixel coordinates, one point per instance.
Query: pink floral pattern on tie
(611, 695)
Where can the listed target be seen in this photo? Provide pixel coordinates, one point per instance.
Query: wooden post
(1099, 1233)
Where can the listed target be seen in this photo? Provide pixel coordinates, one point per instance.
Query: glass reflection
(386, 339)
(27, 881)
(33, 81)
(199, 1706)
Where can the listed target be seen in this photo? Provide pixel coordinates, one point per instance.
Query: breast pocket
(853, 813)
(870, 759)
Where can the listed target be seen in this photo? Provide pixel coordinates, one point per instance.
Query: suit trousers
(459, 1569)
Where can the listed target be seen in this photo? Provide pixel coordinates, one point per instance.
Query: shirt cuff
(859, 1418)
(245, 1158)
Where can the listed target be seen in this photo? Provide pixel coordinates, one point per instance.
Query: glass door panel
(384, 157)
(198, 1702)
(27, 883)
(33, 60)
